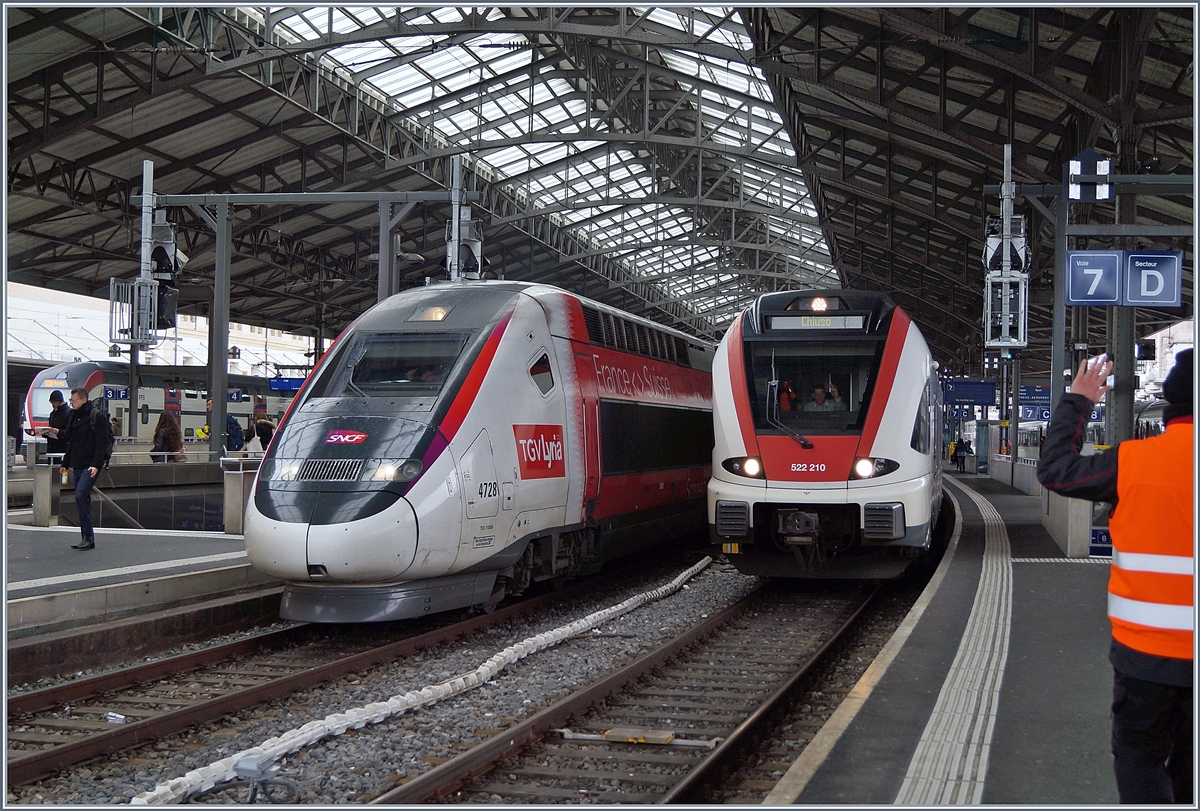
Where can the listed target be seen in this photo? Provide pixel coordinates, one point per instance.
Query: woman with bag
(254, 446)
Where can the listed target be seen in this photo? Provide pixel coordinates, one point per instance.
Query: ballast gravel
(362, 764)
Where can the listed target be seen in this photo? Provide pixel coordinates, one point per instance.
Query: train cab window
(823, 387)
(543, 376)
(388, 364)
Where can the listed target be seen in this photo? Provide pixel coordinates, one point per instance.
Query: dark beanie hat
(1177, 388)
(56, 396)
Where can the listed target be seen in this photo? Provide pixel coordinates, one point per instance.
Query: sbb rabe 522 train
(826, 407)
(461, 441)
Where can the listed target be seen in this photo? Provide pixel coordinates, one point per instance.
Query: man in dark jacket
(1150, 483)
(60, 416)
(87, 454)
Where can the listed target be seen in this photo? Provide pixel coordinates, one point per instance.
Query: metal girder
(621, 24)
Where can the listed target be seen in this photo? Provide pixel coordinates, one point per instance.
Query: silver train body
(461, 441)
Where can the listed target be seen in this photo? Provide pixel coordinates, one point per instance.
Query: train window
(920, 434)
(543, 376)
(389, 364)
(824, 387)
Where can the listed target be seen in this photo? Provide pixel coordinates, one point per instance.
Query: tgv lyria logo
(540, 451)
(343, 437)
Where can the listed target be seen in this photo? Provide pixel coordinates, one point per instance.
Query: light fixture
(819, 305)
(748, 466)
(234, 353)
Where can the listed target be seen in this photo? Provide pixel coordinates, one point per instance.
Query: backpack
(103, 434)
(237, 437)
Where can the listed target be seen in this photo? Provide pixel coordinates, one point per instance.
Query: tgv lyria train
(460, 441)
(826, 407)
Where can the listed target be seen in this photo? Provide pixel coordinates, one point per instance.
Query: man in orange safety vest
(1150, 483)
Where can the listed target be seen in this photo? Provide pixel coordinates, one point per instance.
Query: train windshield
(823, 387)
(391, 364)
(41, 403)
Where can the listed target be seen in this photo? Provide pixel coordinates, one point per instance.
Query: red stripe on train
(897, 336)
(470, 388)
(737, 380)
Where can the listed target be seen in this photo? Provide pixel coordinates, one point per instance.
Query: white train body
(181, 390)
(807, 486)
(460, 441)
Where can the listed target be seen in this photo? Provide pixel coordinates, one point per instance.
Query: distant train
(827, 410)
(182, 390)
(461, 441)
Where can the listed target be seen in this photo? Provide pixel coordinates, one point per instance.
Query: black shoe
(86, 543)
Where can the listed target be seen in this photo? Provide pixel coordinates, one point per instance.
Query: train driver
(822, 401)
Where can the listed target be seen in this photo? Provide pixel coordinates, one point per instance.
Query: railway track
(664, 728)
(56, 727)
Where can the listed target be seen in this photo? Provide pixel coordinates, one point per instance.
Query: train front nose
(368, 537)
(329, 501)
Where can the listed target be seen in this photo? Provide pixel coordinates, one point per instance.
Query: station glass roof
(473, 88)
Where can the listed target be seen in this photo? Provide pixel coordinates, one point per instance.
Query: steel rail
(742, 740)
(36, 765)
(441, 780)
(451, 775)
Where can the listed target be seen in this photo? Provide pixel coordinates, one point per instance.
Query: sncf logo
(340, 437)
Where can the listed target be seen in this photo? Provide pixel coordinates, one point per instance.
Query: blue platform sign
(1101, 545)
(116, 392)
(1094, 278)
(970, 392)
(234, 396)
(1035, 395)
(285, 383)
(1033, 413)
(1153, 279)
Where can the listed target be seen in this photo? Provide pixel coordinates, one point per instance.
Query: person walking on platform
(88, 442)
(1149, 482)
(60, 417)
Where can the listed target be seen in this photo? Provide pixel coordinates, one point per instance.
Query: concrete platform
(52, 587)
(996, 690)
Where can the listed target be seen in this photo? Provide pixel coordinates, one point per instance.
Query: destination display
(817, 322)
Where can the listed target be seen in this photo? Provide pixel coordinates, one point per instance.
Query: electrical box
(1006, 311)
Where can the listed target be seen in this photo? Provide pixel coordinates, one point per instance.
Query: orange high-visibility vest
(1150, 589)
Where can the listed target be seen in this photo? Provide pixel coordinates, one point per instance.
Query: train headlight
(748, 466)
(392, 470)
(279, 470)
(868, 467)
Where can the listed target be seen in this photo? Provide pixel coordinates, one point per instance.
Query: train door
(481, 497)
(589, 394)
